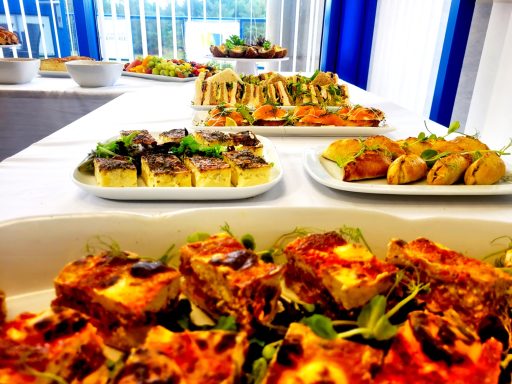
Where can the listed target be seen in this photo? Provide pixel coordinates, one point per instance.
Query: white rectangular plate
(34, 250)
(87, 182)
(288, 130)
(54, 74)
(328, 173)
(158, 77)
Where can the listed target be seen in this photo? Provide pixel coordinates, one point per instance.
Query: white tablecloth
(37, 181)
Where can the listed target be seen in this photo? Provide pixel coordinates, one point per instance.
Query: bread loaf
(59, 64)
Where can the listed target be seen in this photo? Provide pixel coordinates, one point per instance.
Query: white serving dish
(159, 77)
(87, 182)
(56, 74)
(35, 249)
(92, 74)
(289, 130)
(18, 70)
(328, 173)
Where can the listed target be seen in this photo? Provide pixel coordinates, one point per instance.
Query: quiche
(477, 291)
(324, 269)
(306, 358)
(247, 169)
(433, 349)
(206, 357)
(160, 170)
(115, 172)
(123, 296)
(61, 342)
(222, 277)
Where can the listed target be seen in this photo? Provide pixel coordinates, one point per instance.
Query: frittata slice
(247, 169)
(165, 171)
(115, 172)
(432, 349)
(206, 357)
(306, 358)
(247, 140)
(123, 296)
(477, 291)
(211, 138)
(208, 171)
(60, 342)
(222, 277)
(172, 135)
(324, 269)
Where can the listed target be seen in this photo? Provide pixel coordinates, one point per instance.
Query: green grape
(164, 72)
(155, 71)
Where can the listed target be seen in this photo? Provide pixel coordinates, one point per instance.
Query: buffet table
(39, 108)
(37, 181)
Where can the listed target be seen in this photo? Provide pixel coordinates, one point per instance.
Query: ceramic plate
(328, 173)
(53, 74)
(288, 130)
(87, 182)
(159, 77)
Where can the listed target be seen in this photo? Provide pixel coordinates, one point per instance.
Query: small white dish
(92, 74)
(18, 70)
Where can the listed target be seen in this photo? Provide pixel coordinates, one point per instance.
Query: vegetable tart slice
(222, 277)
(123, 295)
(325, 269)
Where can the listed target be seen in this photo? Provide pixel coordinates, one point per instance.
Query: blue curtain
(347, 39)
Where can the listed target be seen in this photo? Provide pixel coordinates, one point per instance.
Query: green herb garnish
(226, 323)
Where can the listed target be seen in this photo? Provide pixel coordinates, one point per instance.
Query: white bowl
(94, 73)
(18, 70)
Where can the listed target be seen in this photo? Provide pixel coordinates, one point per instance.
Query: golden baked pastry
(486, 170)
(8, 37)
(59, 63)
(406, 169)
(448, 170)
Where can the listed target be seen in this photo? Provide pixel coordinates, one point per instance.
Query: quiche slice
(59, 342)
(433, 349)
(477, 291)
(222, 277)
(123, 296)
(326, 270)
(115, 172)
(206, 357)
(247, 169)
(306, 358)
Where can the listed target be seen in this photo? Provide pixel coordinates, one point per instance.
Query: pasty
(449, 169)
(406, 169)
(486, 170)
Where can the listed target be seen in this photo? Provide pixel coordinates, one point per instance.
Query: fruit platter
(161, 69)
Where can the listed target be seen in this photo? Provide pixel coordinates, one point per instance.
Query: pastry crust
(486, 170)
(406, 169)
(448, 170)
(369, 165)
(8, 37)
